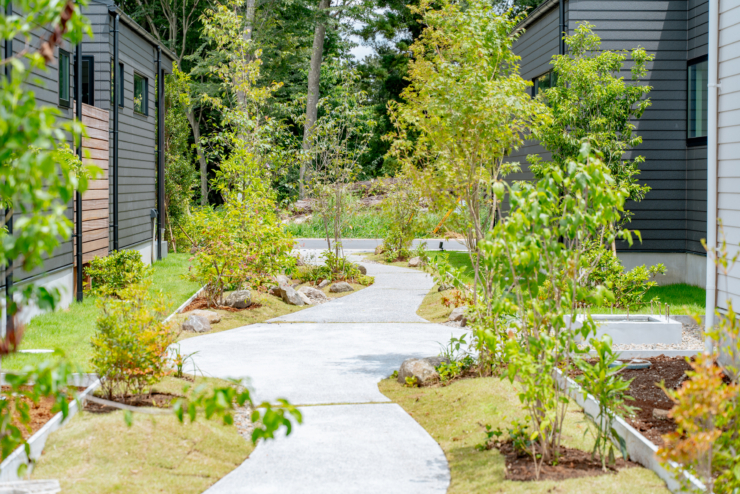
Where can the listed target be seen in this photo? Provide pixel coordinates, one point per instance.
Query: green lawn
(69, 330)
(363, 224)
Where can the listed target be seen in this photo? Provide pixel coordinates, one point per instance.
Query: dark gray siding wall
(536, 47)
(45, 85)
(672, 218)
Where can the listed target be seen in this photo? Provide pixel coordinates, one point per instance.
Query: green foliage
(181, 177)
(601, 380)
(130, 343)
(401, 207)
(412, 382)
(27, 387)
(592, 101)
(364, 223)
(629, 287)
(547, 231)
(333, 268)
(120, 269)
(452, 351)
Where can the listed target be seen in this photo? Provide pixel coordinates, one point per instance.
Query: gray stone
(196, 324)
(282, 279)
(422, 370)
(458, 315)
(415, 262)
(314, 295)
(324, 283)
(239, 299)
(304, 297)
(362, 269)
(289, 295)
(659, 414)
(436, 361)
(379, 249)
(341, 287)
(213, 317)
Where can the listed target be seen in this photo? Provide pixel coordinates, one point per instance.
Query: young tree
(465, 109)
(591, 100)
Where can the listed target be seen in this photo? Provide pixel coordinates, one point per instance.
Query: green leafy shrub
(628, 287)
(401, 207)
(130, 342)
(117, 271)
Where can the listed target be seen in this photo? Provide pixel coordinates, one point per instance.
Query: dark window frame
(64, 54)
(700, 140)
(145, 97)
(90, 80)
(120, 77)
(535, 86)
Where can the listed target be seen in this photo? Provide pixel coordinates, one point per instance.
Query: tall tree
(313, 94)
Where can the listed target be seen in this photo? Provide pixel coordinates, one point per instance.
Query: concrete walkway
(331, 357)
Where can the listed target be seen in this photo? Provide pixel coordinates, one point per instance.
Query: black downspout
(561, 45)
(78, 195)
(9, 326)
(115, 131)
(160, 152)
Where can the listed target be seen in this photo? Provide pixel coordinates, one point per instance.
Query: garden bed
(40, 412)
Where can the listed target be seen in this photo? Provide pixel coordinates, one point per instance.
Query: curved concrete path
(331, 357)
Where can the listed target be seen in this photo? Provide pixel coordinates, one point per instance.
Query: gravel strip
(691, 339)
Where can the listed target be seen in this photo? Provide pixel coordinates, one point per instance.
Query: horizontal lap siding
(45, 85)
(137, 176)
(728, 152)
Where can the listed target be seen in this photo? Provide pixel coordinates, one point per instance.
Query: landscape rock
(341, 287)
(196, 324)
(314, 295)
(415, 262)
(379, 249)
(436, 361)
(304, 297)
(458, 315)
(324, 283)
(419, 368)
(239, 299)
(282, 280)
(289, 295)
(659, 414)
(212, 317)
(362, 269)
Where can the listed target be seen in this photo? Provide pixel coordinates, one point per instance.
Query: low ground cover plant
(113, 273)
(333, 268)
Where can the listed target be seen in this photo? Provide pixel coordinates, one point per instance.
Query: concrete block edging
(36, 443)
(639, 448)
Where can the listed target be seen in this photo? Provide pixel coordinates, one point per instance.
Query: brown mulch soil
(40, 413)
(156, 400)
(573, 463)
(644, 389)
(202, 303)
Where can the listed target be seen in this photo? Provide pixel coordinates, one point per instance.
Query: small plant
(490, 433)
(130, 343)
(401, 206)
(394, 375)
(601, 379)
(365, 280)
(120, 269)
(452, 351)
(179, 360)
(421, 252)
(412, 382)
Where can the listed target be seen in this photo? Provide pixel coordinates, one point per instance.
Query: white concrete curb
(36, 443)
(639, 448)
(185, 304)
(630, 354)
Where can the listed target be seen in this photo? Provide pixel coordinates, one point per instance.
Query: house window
(697, 104)
(543, 82)
(64, 78)
(88, 80)
(117, 78)
(141, 90)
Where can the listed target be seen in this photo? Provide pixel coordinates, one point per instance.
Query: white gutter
(712, 116)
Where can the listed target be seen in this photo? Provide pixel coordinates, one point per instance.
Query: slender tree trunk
(248, 32)
(195, 125)
(312, 100)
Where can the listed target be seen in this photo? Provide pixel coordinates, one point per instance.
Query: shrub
(401, 207)
(130, 343)
(628, 287)
(117, 271)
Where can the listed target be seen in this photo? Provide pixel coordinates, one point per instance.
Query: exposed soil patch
(40, 413)
(202, 303)
(648, 396)
(573, 463)
(156, 400)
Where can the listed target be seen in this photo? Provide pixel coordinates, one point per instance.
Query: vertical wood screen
(95, 202)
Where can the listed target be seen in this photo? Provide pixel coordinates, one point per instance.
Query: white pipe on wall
(712, 116)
